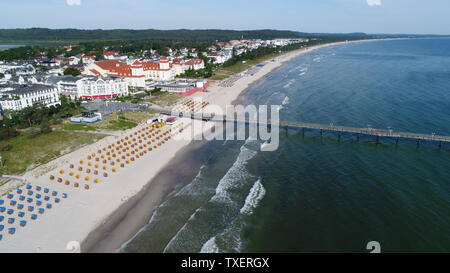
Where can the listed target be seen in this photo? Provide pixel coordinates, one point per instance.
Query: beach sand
(112, 211)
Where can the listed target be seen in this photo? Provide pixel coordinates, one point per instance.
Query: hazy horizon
(311, 16)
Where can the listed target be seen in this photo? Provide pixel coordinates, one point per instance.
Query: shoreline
(109, 237)
(98, 218)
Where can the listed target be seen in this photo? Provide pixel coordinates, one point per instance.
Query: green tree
(72, 71)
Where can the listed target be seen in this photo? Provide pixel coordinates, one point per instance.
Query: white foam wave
(235, 175)
(290, 82)
(210, 246)
(286, 101)
(255, 195)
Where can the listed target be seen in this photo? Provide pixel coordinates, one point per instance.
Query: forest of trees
(45, 34)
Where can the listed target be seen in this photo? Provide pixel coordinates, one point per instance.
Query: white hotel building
(92, 87)
(20, 96)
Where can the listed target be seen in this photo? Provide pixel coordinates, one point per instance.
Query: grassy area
(239, 67)
(120, 124)
(79, 127)
(123, 121)
(166, 99)
(28, 153)
(114, 122)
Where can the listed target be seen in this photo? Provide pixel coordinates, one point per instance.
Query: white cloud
(73, 2)
(374, 2)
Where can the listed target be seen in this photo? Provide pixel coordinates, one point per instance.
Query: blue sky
(371, 16)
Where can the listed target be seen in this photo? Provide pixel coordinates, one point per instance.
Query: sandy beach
(105, 216)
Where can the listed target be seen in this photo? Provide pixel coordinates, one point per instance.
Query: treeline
(260, 52)
(45, 34)
(37, 116)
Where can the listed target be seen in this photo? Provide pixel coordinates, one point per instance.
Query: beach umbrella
(64, 195)
(19, 191)
(41, 211)
(2, 218)
(10, 211)
(21, 214)
(49, 206)
(60, 180)
(23, 223)
(30, 208)
(10, 196)
(38, 196)
(2, 202)
(46, 190)
(54, 193)
(13, 203)
(67, 182)
(33, 216)
(1, 236)
(57, 200)
(30, 193)
(61, 171)
(46, 198)
(20, 206)
(28, 187)
(11, 220)
(38, 203)
(76, 185)
(86, 187)
(11, 231)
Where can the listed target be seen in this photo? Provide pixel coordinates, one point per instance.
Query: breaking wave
(256, 194)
